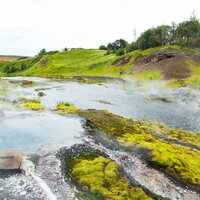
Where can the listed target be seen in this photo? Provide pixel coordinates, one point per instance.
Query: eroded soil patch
(172, 63)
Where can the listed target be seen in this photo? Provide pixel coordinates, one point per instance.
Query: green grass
(77, 62)
(193, 81)
(94, 63)
(150, 75)
(158, 141)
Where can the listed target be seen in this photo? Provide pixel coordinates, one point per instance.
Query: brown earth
(44, 62)
(122, 61)
(27, 83)
(172, 63)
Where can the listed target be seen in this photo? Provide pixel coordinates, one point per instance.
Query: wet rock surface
(20, 187)
(50, 171)
(10, 160)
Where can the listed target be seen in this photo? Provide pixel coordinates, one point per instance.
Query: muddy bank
(93, 79)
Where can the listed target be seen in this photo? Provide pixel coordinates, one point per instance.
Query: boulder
(41, 94)
(10, 160)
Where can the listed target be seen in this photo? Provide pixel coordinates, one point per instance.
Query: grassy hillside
(179, 66)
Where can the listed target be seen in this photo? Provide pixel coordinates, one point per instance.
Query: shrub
(42, 52)
(102, 47)
(120, 52)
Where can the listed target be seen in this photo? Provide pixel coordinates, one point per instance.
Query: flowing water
(25, 130)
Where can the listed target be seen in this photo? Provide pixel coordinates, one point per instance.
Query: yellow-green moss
(102, 176)
(32, 104)
(184, 137)
(178, 161)
(114, 126)
(181, 162)
(66, 107)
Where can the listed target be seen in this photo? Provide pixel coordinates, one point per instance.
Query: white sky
(26, 26)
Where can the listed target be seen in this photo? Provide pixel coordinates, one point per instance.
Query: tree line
(186, 33)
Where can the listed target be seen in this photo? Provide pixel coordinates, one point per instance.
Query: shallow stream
(25, 130)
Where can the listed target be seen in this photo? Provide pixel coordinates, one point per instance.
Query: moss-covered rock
(66, 107)
(97, 176)
(156, 144)
(32, 104)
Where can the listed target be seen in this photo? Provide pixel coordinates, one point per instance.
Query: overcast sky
(26, 26)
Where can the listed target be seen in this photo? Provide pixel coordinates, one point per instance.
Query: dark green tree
(188, 32)
(42, 52)
(120, 44)
(131, 47)
(102, 47)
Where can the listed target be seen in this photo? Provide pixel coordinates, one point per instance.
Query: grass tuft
(33, 104)
(66, 107)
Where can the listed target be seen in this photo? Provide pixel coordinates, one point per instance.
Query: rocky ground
(49, 170)
(20, 187)
(23, 187)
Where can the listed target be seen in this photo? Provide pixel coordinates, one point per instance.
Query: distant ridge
(11, 57)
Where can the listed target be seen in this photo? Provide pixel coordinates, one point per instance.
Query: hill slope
(178, 66)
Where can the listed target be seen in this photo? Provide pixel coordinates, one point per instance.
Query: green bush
(120, 52)
(102, 47)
